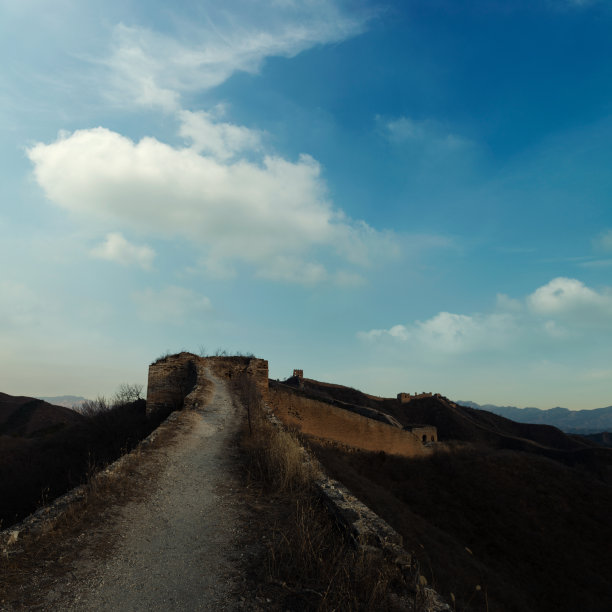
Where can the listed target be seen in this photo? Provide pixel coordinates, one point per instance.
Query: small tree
(127, 393)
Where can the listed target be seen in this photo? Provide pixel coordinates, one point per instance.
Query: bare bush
(127, 393)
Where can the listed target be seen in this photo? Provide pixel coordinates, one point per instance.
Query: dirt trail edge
(177, 549)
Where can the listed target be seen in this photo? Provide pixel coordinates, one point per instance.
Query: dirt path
(177, 549)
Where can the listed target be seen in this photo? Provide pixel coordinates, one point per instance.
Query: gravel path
(177, 548)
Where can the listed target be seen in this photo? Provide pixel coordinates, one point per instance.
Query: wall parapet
(331, 422)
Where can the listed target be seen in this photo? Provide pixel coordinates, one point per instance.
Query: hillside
(27, 416)
(570, 421)
(46, 450)
(521, 510)
(461, 423)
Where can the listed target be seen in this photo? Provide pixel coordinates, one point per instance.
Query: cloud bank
(274, 215)
(563, 309)
(222, 191)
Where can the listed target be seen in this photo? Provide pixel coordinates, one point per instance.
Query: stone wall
(370, 533)
(232, 367)
(404, 398)
(180, 380)
(425, 433)
(171, 379)
(323, 420)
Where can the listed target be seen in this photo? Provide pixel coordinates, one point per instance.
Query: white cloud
(152, 69)
(568, 296)
(506, 303)
(170, 305)
(291, 269)
(426, 133)
(562, 310)
(452, 333)
(554, 330)
(221, 191)
(136, 74)
(221, 140)
(117, 248)
(266, 214)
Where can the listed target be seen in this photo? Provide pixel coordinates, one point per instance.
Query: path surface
(177, 548)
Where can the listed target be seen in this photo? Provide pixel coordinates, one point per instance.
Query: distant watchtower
(298, 373)
(404, 398)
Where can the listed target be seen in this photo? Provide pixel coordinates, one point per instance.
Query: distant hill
(605, 438)
(27, 416)
(46, 449)
(571, 421)
(67, 401)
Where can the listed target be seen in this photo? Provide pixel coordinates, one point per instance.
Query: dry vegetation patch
(306, 560)
(501, 530)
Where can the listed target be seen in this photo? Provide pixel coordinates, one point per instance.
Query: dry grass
(276, 459)
(308, 562)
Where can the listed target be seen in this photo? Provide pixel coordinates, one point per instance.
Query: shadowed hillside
(26, 416)
(45, 450)
(505, 516)
(461, 423)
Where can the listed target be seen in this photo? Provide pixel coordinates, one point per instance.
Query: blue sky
(396, 196)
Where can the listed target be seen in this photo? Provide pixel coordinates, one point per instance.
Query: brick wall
(322, 420)
(180, 379)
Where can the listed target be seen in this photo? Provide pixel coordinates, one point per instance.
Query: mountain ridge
(596, 420)
(67, 401)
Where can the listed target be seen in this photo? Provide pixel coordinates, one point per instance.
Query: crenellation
(405, 398)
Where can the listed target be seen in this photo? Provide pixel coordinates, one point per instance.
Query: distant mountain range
(67, 401)
(570, 421)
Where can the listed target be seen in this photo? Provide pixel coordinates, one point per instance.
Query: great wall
(182, 383)
(181, 378)
(177, 380)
